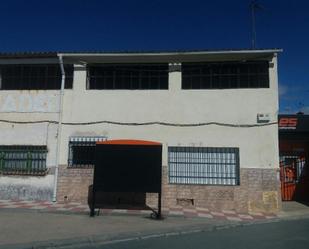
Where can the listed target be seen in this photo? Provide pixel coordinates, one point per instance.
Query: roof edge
(202, 52)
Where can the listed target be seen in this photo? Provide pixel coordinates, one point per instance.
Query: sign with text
(297, 123)
(29, 102)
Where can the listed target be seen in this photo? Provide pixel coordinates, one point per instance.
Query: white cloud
(305, 109)
(282, 89)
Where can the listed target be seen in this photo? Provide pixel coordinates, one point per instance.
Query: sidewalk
(77, 208)
(49, 227)
(294, 210)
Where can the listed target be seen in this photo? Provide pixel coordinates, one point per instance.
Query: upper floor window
(225, 75)
(128, 76)
(34, 77)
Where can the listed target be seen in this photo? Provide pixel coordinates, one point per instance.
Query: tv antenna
(254, 6)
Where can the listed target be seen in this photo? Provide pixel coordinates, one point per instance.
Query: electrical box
(263, 117)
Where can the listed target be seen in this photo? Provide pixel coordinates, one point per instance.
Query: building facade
(215, 112)
(294, 156)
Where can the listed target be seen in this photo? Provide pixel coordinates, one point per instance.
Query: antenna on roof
(254, 6)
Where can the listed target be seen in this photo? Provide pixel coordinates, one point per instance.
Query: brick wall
(259, 191)
(73, 184)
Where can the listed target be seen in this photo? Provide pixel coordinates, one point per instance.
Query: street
(275, 235)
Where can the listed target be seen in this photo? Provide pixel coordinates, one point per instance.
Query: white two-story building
(215, 112)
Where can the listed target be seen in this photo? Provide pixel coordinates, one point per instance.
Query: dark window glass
(128, 76)
(83, 155)
(34, 77)
(225, 75)
(82, 151)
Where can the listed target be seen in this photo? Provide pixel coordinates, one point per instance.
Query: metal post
(29, 161)
(253, 6)
(92, 208)
(2, 155)
(159, 206)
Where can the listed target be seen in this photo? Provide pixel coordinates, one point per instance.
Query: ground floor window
(82, 150)
(23, 160)
(203, 165)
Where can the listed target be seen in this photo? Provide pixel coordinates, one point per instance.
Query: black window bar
(203, 165)
(127, 76)
(35, 77)
(82, 150)
(225, 75)
(23, 160)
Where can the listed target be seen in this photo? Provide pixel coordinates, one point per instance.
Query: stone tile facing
(77, 208)
(259, 191)
(73, 184)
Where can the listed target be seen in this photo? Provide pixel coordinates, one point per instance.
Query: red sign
(288, 123)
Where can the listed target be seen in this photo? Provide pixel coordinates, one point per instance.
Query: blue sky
(67, 25)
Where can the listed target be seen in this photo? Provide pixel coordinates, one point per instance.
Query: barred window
(225, 75)
(34, 77)
(128, 76)
(203, 165)
(23, 160)
(82, 151)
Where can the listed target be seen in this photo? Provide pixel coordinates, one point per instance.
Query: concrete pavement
(25, 226)
(188, 212)
(291, 234)
(294, 210)
(20, 228)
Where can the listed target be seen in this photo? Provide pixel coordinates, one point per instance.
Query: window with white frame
(203, 165)
(82, 150)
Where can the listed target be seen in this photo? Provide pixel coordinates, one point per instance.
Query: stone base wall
(73, 184)
(259, 191)
(38, 188)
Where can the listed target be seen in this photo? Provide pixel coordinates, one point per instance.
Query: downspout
(59, 127)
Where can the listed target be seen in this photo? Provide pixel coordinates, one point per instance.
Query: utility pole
(254, 6)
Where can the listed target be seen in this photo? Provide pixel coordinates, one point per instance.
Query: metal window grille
(35, 77)
(297, 163)
(127, 76)
(82, 151)
(23, 160)
(203, 165)
(225, 75)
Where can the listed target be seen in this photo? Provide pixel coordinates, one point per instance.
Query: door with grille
(294, 176)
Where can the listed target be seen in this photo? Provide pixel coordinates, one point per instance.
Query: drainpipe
(59, 127)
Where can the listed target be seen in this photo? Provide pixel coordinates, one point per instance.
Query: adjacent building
(294, 156)
(215, 112)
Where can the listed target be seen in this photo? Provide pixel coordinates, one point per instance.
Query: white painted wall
(258, 146)
(30, 106)
(26, 187)
(32, 101)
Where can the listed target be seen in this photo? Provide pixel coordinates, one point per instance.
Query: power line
(142, 123)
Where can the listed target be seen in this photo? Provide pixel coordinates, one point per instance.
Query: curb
(99, 240)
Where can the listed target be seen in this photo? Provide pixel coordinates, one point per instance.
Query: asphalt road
(292, 234)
